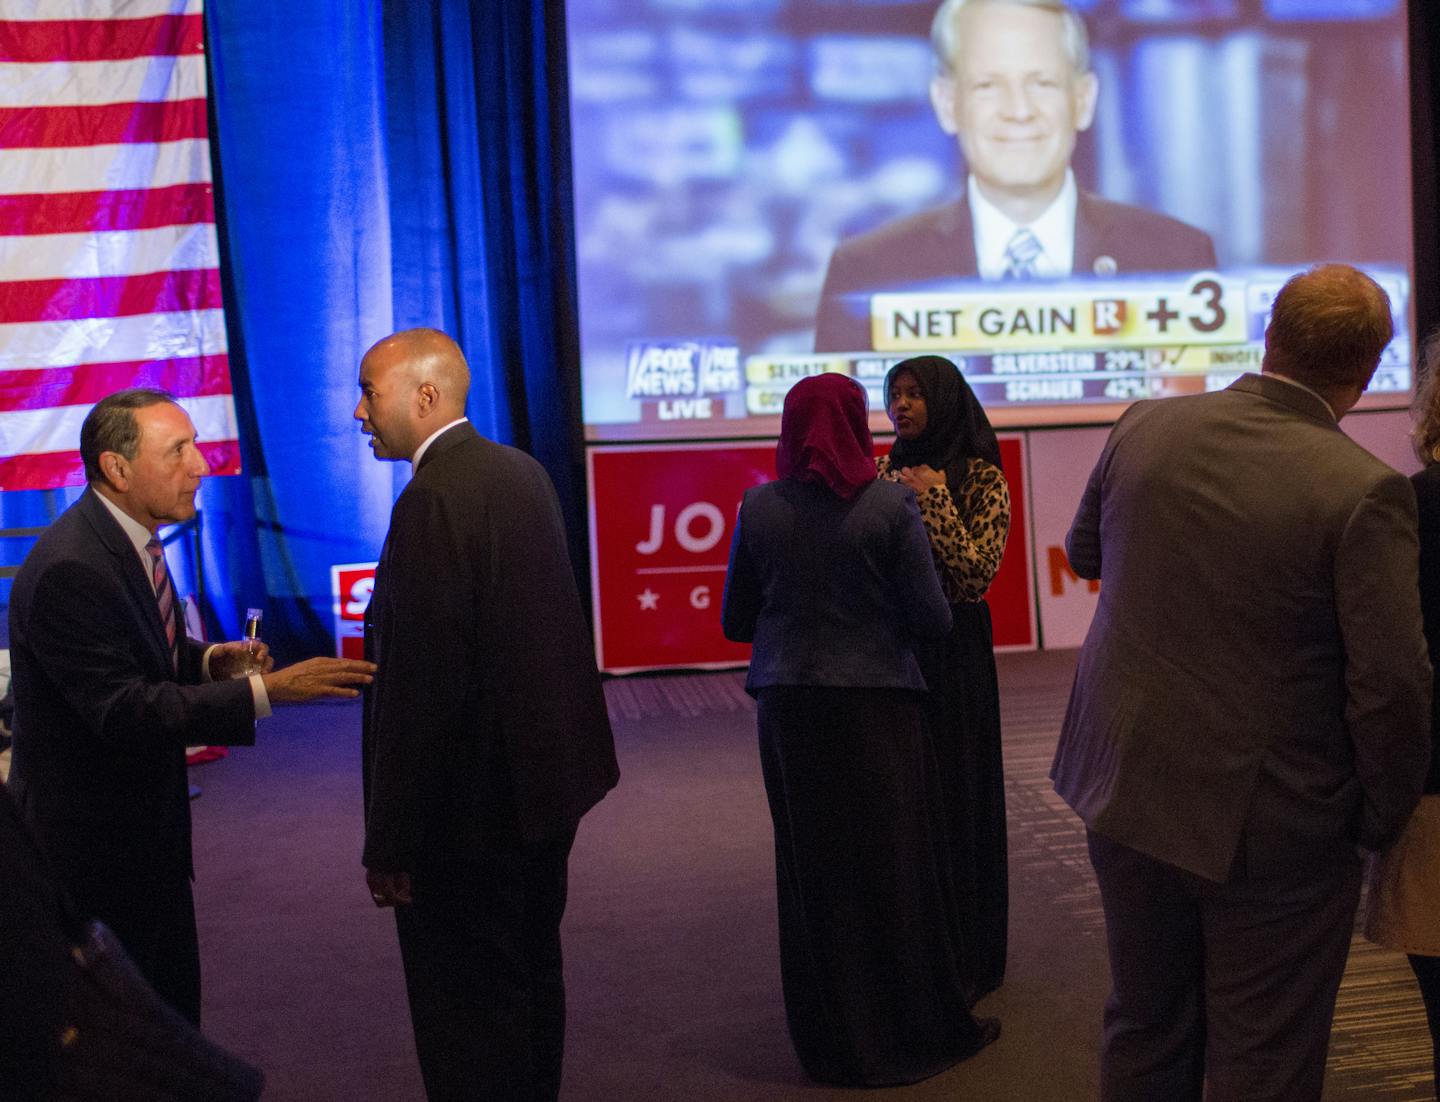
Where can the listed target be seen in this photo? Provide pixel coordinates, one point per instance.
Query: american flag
(109, 267)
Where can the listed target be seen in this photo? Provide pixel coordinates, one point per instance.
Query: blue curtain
(480, 214)
(300, 151)
(381, 165)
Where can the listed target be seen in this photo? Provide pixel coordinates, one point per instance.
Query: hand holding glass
(251, 663)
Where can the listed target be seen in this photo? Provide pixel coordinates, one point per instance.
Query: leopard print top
(967, 530)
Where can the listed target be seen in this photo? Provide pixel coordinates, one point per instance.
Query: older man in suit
(109, 690)
(1013, 85)
(486, 736)
(1252, 702)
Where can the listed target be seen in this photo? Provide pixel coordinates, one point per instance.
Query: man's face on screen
(1015, 102)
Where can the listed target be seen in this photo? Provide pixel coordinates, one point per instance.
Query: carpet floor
(670, 934)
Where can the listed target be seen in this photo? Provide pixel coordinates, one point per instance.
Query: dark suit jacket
(939, 244)
(35, 962)
(1427, 497)
(1255, 669)
(101, 718)
(486, 720)
(832, 592)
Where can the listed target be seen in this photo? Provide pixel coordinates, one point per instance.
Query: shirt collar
(1054, 229)
(420, 451)
(1302, 386)
(136, 532)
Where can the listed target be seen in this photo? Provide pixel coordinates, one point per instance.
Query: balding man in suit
(486, 736)
(1252, 702)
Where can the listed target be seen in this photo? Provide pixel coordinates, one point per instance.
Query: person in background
(109, 690)
(946, 451)
(1013, 85)
(79, 1023)
(1402, 908)
(485, 734)
(1251, 703)
(830, 578)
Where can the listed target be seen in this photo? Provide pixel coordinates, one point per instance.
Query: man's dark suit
(1252, 701)
(486, 739)
(102, 720)
(939, 244)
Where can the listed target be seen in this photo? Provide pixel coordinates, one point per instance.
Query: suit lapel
(112, 538)
(1089, 235)
(958, 230)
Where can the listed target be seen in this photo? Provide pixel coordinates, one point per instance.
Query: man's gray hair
(111, 426)
(944, 38)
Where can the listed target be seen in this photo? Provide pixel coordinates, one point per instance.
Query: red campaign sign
(1011, 595)
(661, 521)
(350, 588)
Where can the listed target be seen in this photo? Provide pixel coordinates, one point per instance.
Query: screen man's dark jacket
(939, 244)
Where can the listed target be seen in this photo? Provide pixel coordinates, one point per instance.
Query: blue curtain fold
(298, 101)
(380, 164)
(482, 228)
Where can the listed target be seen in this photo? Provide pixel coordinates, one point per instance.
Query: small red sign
(350, 588)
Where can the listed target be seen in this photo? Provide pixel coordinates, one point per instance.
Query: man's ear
(116, 471)
(428, 397)
(942, 99)
(1087, 91)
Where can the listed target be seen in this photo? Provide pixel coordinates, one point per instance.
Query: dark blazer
(939, 244)
(486, 716)
(832, 592)
(1256, 666)
(1427, 498)
(35, 962)
(101, 718)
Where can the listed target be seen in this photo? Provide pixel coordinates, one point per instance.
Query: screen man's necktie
(1021, 254)
(164, 592)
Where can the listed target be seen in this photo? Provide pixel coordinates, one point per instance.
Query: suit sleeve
(1082, 543)
(35, 964)
(1387, 670)
(429, 640)
(83, 639)
(836, 329)
(968, 528)
(912, 572)
(740, 605)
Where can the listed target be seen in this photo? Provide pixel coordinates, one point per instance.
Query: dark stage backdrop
(380, 165)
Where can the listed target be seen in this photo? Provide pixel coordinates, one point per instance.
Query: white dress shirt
(1054, 229)
(415, 459)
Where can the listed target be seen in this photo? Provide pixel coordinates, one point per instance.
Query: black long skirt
(963, 711)
(873, 993)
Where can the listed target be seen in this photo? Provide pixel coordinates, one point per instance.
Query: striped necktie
(1020, 255)
(164, 592)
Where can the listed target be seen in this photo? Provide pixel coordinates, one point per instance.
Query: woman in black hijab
(946, 451)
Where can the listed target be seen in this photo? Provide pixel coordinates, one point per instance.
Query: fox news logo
(668, 369)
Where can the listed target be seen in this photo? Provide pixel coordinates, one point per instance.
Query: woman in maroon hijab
(830, 578)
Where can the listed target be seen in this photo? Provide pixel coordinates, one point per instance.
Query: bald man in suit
(486, 736)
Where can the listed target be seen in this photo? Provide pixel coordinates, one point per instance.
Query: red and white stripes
(109, 268)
